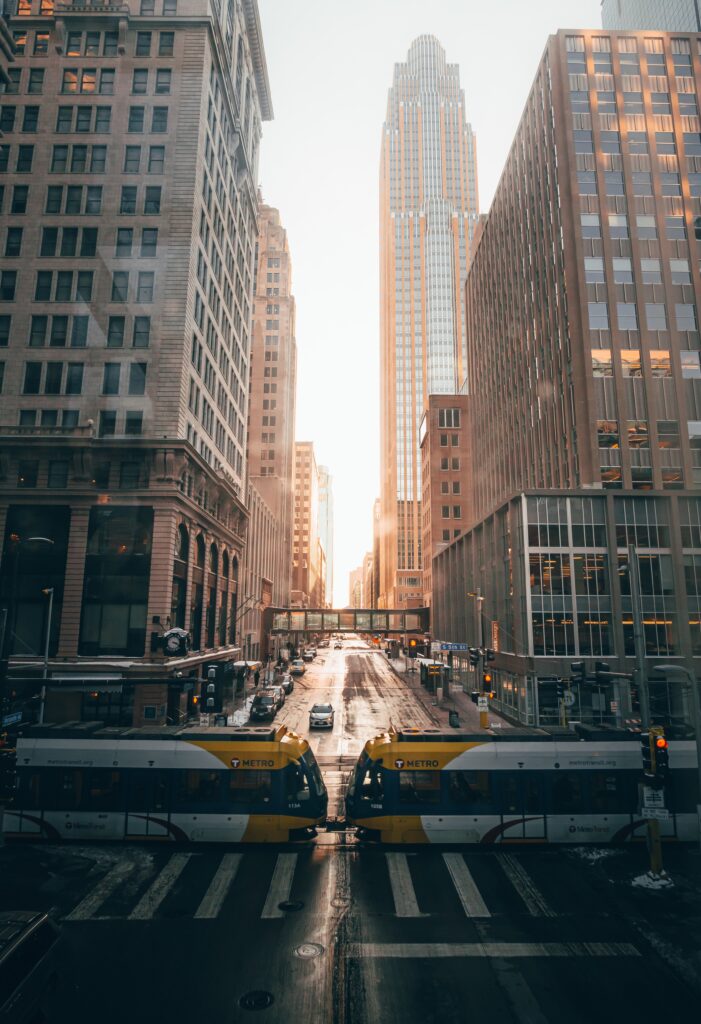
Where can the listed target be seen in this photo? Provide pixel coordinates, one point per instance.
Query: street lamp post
(42, 700)
(479, 600)
(696, 714)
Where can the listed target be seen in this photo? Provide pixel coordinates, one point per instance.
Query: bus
(183, 784)
(415, 785)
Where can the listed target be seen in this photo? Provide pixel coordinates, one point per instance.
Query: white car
(321, 717)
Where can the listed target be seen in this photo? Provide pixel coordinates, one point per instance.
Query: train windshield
(366, 782)
(314, 773)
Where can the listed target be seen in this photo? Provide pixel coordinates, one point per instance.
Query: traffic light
(647, 753)
(578, 672)
(601, 670)
(560, 688)
(661, 753)
(474, 656)
(487, 680)
(211, 690)
(489, 654)
(412, 652)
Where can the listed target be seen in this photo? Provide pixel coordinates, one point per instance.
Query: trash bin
(453, 720)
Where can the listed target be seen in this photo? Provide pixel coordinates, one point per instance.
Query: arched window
(225, 565)
(234, 587)
(182, 544)
(199, 551)
(224, 599)
(213, 559)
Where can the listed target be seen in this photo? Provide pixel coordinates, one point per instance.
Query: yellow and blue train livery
(424, 786)
(240, 785)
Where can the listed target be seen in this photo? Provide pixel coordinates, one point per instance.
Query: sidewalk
(457, 700)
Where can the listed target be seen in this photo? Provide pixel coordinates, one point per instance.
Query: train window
(520, 793)
(470, 788)
(369, 785)
(607, 793)
(567, 793)
(296, 784)
(510, 793)
(198, 787)
(250, 786)
(104, 789)
(419, 787)
(532, 795)
(69, 789)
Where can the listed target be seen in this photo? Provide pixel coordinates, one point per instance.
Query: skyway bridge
(346, 620)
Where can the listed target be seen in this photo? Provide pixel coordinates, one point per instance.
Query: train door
(522, 806)
(148, 804)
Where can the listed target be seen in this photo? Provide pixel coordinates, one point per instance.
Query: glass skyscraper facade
(428, 212)
(642, 15)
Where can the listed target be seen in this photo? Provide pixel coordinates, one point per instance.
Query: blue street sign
(12, 719)
(455, 647)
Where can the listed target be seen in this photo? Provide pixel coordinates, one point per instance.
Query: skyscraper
(326, 528)
(640, 15)
(585, 353)
(273, 388)
(308, 555)
(428, 210)
(130, 155)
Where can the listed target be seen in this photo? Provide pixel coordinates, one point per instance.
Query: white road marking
(507, 950)
(472, 902)
(219, 886)
(405, 904)
(102, 891)
(525, 886)
(157, 892)
(280, 885)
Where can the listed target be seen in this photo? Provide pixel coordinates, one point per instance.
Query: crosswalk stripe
(507, 950)
(219, 886)
(102, 891)
(472, 902)
(405, 904)
(280, 885)
(159, 889)
(525, 886)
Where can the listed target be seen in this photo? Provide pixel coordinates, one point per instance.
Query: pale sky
(330, 64)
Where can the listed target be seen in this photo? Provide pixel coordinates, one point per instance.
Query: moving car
(309, 654)
(298, 668)
(264, 706)
(321, 716)
(287, 683)
(323, 643)
(338, 646)
(29, 968)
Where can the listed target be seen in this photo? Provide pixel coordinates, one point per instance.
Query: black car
(264, 706)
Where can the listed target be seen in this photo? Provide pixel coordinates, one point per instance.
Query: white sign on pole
(661, 813)
(653, 797)
(568, 698)
(482, 704)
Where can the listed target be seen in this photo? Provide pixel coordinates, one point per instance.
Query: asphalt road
(364, 935)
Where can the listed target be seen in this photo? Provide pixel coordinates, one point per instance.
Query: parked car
(29, 966)
(321, 717)
(298, 668)
(264, 706)
(323, 643)
(287, 683)
(338, 646)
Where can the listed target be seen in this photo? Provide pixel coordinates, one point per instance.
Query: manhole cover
(256, 1000)
(309, 950)
(341, 901)
(290, 905)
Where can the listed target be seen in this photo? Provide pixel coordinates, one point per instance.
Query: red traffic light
(661, 743)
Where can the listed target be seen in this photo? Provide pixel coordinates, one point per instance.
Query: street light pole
(50, 594)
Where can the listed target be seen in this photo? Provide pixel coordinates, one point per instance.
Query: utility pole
(42, 700)
(696, 714)
(654, 843)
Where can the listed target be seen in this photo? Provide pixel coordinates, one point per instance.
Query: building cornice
(260, 67)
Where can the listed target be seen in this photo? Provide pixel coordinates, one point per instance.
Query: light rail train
(424, 786)
(251, 784)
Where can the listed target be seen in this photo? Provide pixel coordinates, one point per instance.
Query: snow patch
(651, 881)
(593, 854)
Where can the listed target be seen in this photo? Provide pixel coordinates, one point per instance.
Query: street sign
(482, 704)
(13, 718)
(455, 647)
(568, 698)
(653, 797)
(660, 813)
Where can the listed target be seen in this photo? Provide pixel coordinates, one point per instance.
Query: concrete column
(73, 585)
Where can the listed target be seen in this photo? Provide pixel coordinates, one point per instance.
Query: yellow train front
(253, 784)
(519, 786)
